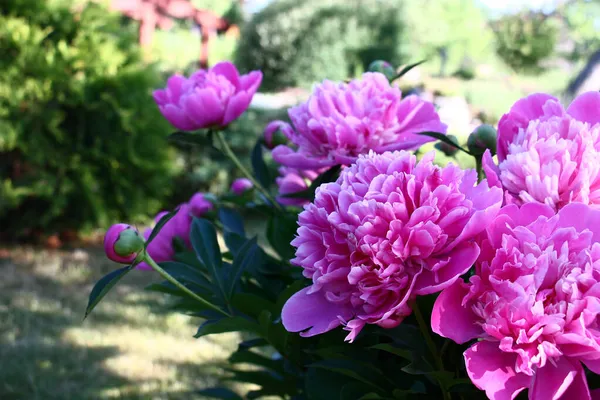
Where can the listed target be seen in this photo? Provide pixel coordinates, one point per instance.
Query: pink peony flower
(389, 229)
(241, 185)
(122, 243)
(340, 121)
(161, 247)
(549, 155)
(292, 180)
(208, 98)
(534, 304)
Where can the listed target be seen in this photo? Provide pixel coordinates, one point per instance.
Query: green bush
(82, 143)
(298, 42)
(524, 40)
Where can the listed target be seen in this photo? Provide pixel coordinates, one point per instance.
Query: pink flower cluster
(548, 155)
(161, 248)
(533, 303)
(387, 230)
(341, 121)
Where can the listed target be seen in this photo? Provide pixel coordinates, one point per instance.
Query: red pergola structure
(161, 13)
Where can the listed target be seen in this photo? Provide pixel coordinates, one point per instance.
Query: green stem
(180, 286)
(479, 168)
(229, 153)
(431, 345)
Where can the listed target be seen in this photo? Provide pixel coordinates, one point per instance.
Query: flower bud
(482, 138)
(273, 135)
(446, 148)
(241, 185)
(122, 243)
(383, 67)
(200, 205)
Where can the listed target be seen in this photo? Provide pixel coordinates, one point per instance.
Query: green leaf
(246, 255)
(232, 221)
(403, 353)
(230, 324)
(251, 304)
(328, 176)
(443, 138)
(250, 357)
(185, 273)
(261, 171)
(103, 286)
(324, 385)
(405, 70)
(360, 372)
(160, 224)
(189, 138)
(220, 393)
(281, 230)
(251, 343)
(206, 246)
(233, 241)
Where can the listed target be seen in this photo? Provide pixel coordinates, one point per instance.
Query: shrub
(80, 138)
(524, 40)
(297, 42)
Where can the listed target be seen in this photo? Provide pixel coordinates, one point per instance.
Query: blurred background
(82, 145)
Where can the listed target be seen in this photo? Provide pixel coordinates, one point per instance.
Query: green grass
(129, 348)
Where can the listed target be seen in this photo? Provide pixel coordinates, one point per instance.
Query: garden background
(82, 145)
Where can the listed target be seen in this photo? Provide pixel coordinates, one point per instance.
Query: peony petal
(451, 319)
(580, 216)
(459, 261)
(492, 172)
(236, 107)
(492, 370)
(523, 111)
(312, 314)
(178, 118)
(229, 71)
(174, 87)
(203, 107)
(552, 381)
(579, 388)
(586, 107)
(251, 81)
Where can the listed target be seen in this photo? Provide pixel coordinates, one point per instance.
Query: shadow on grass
(49, 352)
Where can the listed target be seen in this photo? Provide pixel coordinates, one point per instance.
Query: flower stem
(479, 168)
(229, 153)
(431, 345)
(180, 286)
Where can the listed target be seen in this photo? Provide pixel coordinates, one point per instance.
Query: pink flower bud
(241, 185)
(276, 133)
(200, 205)
(122, 243)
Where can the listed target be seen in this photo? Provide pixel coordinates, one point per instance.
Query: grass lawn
(129, 348)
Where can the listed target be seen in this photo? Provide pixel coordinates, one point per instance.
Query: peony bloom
(389, 229)
(534, 302)
(549, 155)
(122, 243)
(208, 98)
(241, 185)
(161, 247)
(340, 121)
(292, 180)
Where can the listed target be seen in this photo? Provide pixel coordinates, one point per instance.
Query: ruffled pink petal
(204, 107)
(586, 108)
(251, 82)
(451, 319)
(492, 172)
(312, 314)
(460, 260)
(580, 216)
(236, 107)
(553, 380)
(229, 71)
(523, 111)
(492, 370)
(579, 388)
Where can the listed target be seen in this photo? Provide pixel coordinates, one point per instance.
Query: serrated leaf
(103, 286)
(232, 221)
(228, 324)
(246, 255)
(309, 194)
(188, 138)
(160, 224)
(261, 171)
(443, 138)
(220, 393)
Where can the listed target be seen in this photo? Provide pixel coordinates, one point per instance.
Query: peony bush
(377, 273)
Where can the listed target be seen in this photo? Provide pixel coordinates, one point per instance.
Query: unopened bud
(241, 185)
(446, 148)
(123, 243)
(274, 135)
(482, 139)
(383, 67)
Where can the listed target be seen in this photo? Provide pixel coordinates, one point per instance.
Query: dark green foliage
(298, 42)
(81, 140)
(525, 40)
